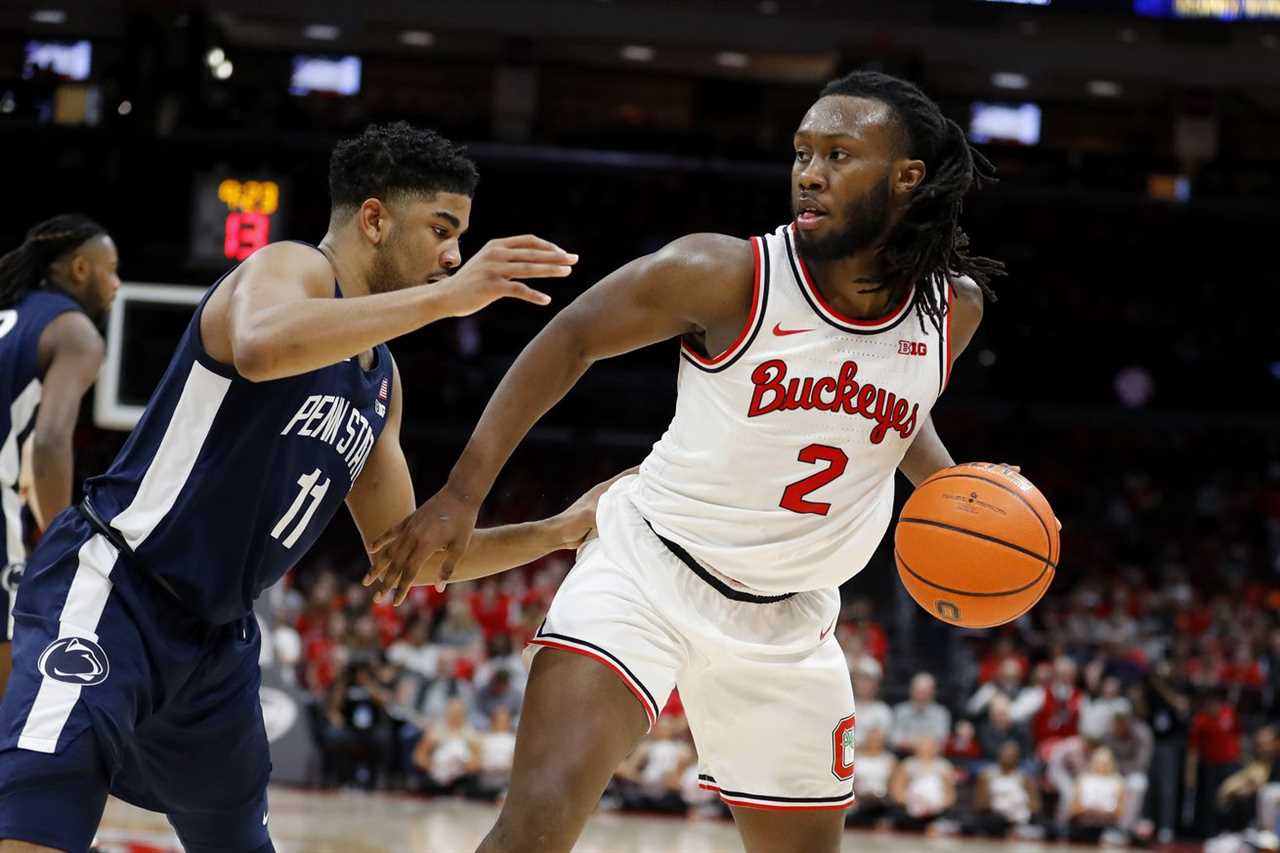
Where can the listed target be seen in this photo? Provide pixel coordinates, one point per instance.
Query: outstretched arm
(497, 549)
(927, 454)
(383, 496)
(700, 283)
(281, 319)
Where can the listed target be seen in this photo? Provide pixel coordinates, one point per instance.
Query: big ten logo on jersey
(913, 348)
(336, 422)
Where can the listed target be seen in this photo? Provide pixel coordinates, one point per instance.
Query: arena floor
(316, 822)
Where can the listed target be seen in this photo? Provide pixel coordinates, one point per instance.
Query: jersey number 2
(794, 497)
(308, 483)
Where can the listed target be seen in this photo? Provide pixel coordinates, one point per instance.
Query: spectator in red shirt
(492, 608)
(319, 604)
(427, 598)
(1213, 754)
(994, 663)
(318, 652)
(390, 621)
(874, 639)
(1054, 712)
(963, 749)
(1243, 670)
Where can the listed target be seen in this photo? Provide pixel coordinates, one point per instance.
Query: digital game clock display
(234, 216)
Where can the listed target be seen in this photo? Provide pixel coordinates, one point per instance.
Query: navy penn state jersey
(225, 483)
(20, 385)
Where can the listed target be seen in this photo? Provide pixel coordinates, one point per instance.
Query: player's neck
(55, 283)
(342, 250)
(844, 283)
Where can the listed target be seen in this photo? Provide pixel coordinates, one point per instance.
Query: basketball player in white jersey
(810, 360)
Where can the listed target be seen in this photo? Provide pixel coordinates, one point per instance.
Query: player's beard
(867, 219)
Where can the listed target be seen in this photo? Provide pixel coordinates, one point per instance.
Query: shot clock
(234, 215)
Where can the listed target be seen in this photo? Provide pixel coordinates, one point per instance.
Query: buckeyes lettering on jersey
(224, 483)
(778, 468)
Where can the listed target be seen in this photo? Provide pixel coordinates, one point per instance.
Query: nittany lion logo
(75, 660)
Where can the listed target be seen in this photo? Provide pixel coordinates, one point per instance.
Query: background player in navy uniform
(135, 650)
(876, 186)
(52, 287)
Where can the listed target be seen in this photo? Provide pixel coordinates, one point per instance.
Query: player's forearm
(546, 370)
(305, 335)
(497, 549)
(51, 473)
(926, 456)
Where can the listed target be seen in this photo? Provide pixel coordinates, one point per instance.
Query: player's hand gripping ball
(977, 545)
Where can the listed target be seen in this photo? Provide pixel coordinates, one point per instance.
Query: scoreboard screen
(1222, 10)
(234, 216)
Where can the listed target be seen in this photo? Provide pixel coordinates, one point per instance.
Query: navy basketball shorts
(117, 689)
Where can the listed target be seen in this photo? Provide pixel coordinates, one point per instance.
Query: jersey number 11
(317, 492)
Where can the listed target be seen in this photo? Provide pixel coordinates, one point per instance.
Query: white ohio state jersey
(777, 470)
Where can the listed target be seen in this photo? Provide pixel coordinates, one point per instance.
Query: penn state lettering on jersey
(778, 468)
(333, 420)
(20, 384)
(224, 483)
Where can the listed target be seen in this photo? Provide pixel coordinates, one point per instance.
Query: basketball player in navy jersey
(810, 360)
(135, 650)
(52, 288)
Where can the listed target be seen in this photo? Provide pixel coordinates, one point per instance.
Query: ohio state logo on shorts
(842, 749)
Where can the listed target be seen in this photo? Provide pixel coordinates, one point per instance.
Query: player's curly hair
(27, 266)
(395, 159)
(927, 246)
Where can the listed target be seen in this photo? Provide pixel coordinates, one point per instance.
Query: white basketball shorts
(764, 684)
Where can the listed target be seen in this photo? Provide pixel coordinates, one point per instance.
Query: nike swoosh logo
(822, 636)
(781, 332)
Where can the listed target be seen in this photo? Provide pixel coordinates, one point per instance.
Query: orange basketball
(977, 545)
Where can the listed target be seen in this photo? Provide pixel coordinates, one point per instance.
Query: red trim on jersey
(946, 377)
(648, 712)
(894, 313)
(751, 318)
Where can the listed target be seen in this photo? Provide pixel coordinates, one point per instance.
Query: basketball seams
(986, 537)
(1036, 600)
(999, 594)
(1048, 537)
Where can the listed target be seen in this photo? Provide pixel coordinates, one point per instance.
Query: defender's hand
(441, 527)
(578, 523)
(494, 272)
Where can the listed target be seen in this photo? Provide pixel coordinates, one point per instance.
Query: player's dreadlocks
(927, 246)
(26, 266)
